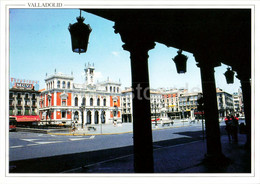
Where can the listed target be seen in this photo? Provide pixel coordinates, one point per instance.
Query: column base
(216, 160)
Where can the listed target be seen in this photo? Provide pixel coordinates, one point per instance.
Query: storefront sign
(23, 83)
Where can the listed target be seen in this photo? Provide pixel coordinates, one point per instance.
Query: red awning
(199, 113)
(27, 118)
(156, 119)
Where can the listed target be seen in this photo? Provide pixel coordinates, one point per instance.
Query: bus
(12, 123)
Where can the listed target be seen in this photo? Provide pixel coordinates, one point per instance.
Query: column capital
(206, 60)
(135, 37)
(243, 75)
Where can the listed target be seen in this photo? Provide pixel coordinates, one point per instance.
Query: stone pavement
(120, 128)
(183, 158)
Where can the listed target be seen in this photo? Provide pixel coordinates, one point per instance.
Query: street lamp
(200, 108)
(155, 106)
(180, 62)
(115, 112)
(79, 35)
(82, 107)
(229, 74)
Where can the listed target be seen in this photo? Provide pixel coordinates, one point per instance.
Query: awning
(199, 113)
(27, 118)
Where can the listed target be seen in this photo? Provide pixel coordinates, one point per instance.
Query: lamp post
(201, 109)
(82, 107)
(155, 106)
(115, 113)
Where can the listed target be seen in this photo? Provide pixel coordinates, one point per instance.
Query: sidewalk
(183, 158)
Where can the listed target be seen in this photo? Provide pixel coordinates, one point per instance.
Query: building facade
(126, 104)
(24, 103)
(188, 103)
(225, 103)
(63, 101)
(238, 103)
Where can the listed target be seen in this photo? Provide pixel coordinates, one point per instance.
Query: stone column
(214, 150)
(92, 117)
(246, 91)
(138, 44)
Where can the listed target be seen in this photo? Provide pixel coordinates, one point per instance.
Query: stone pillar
(246, 91)
(214, 150)
(92, 117)
(138, 44)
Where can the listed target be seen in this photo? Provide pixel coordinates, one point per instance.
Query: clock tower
(89, 74)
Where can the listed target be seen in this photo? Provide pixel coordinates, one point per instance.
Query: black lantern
(79, 35)
(180, 61)
(229, 74)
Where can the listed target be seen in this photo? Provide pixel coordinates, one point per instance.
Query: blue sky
(40, 43)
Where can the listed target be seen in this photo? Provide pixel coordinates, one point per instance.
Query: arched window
(68, 85)
(106, 88)
(84, 101)
(76, 101)
(98, 102)
(118, 89)
(76, 115)
(88, 117)
(110, 89)
(58, 84)
(104, 102)
(91, 102)
(96, 118)
(63, 84)
(114, 90)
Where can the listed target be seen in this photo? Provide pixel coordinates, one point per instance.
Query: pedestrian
(234, 127)
(73, 126)
(228, 122)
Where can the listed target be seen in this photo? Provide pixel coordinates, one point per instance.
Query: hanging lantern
(229, 74)
(79, 35)
(180, 61)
